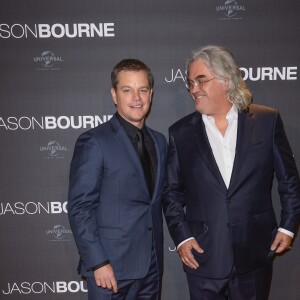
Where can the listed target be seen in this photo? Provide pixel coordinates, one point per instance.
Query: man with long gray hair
(220, 166)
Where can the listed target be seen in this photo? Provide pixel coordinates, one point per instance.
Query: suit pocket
(199, 231)
(110, 233)
(255, 146)
(198, 228)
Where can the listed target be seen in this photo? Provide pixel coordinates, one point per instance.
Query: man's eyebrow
(201, 76)
(130, 87)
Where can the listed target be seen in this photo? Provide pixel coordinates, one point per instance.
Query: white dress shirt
(223, 148)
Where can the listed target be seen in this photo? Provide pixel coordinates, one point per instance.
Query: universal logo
(59, 233)
(231, 10)
(54, 150)
(47, 61)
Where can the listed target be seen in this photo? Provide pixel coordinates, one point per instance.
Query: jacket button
(228, 225)
(228, 200)
(150, 228)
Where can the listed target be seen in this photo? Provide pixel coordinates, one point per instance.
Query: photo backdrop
(55, 64)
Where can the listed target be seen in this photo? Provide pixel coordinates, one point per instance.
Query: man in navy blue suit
(220, 167)
(116, 179)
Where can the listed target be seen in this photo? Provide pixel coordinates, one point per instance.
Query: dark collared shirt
(131, 131)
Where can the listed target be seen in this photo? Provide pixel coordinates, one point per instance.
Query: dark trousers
(254, 285)
(147, 288)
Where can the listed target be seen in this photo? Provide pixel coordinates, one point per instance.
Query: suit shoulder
(101, 130)
(264, 115)
(184, 122)
(158, 135)
(262, 110)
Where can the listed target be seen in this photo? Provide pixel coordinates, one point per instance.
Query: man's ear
(114, 95)
(225, 82)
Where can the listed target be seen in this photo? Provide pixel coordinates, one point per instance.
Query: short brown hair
(130, 64)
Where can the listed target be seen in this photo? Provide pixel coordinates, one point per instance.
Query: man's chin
(199, 108)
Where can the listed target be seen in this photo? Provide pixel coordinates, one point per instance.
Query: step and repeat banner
(55, 64)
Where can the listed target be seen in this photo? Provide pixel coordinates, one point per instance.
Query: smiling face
(212, 97)
(132, 96)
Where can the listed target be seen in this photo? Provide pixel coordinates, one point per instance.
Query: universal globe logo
(47, 59)
(230, 8)
(59, 233)
(54, 149)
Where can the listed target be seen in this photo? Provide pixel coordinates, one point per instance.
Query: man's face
(212, 97)
(132, 96)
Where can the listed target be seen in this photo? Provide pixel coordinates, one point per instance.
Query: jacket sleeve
(173, 197)
(287, 177)
(85, 180)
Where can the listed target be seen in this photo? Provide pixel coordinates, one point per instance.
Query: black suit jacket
(234, 225)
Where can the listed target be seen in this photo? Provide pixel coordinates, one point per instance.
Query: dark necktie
(145, 160)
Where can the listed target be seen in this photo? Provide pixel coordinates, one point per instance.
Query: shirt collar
(130, 129)
(231, 115)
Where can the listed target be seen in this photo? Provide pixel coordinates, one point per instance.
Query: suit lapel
(202, 142)
(244, 132)
(158, 161)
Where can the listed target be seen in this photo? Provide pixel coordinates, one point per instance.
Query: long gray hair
(223, 65)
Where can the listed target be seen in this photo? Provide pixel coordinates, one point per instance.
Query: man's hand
(105, 278)
(281, 243)
(185, 252)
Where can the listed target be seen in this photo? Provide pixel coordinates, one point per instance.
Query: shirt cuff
(291, 234)
(191, 238)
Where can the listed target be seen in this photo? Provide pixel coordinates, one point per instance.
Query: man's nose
(136, 95)
(194, 88)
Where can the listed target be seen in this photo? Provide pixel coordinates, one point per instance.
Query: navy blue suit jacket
(110, 212)
(234, 225)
